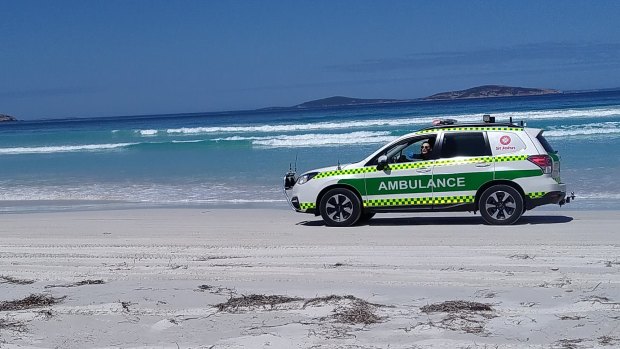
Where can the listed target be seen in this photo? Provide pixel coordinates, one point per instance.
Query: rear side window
(505, 142)
(464, 144)
(544, 143)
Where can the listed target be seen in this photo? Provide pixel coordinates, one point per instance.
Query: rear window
(464, 144)
(544, 143)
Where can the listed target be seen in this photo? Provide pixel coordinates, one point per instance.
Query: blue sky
(103, 58)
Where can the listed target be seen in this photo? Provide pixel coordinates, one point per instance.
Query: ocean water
(238, 158)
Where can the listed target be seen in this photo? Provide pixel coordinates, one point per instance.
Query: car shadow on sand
(473, 220)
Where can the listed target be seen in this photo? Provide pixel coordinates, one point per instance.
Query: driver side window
(414, 149)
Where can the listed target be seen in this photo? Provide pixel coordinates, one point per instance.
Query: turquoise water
(240, 157)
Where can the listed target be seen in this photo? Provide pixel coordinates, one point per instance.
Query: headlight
(305, 178)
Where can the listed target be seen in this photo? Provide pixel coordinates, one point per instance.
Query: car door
(463, 165)
(403, 182)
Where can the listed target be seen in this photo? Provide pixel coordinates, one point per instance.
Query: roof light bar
(441, 122)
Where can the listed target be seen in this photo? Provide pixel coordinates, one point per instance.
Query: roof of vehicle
(475, 125)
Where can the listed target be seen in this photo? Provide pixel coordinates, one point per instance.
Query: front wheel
(340, 207)
(501, 205)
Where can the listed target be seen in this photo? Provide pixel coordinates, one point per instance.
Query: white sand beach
(161, 278)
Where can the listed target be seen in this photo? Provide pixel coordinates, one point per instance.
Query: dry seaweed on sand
(335, 298)
(520, 256)
(12, 325)
(32, 301)
(358, 312)
(570, 317)
(569, 343)
(79, 283)
(608, 340)
(215, 289)
(465, 316)
(455, 306)
(5, 279)
(354, 311)
(235, 304)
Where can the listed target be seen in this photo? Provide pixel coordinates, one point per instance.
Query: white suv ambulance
(500, 170)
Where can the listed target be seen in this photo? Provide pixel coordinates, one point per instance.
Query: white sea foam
(402, 121)
(148, 132)
(598, 196)
(315, 139)
(599, 128)
(63, 148)
(189, 141)
(290, 127)
(142, 193)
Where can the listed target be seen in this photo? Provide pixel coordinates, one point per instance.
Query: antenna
(296, 160)
(338, 153)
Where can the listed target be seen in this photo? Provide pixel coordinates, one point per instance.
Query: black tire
(365, 217)
(340, 207)
(501, 205)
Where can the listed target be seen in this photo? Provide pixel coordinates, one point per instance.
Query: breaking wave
(223, 193)
(63, 148)
(395, 122)
(598, 128)
(148, 132)
(316, 139)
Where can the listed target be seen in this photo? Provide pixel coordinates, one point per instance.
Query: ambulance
(498, 169)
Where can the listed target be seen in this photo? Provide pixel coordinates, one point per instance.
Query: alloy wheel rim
(501, 205)
(339, 208)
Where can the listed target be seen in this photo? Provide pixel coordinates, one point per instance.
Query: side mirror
(382, 162)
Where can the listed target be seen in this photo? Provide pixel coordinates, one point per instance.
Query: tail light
(543, 161)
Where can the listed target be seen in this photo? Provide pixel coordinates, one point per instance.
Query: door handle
(483, 164)
(423, 170)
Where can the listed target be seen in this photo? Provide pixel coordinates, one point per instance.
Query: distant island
(338, 101)
(488, 91)
(4, 117)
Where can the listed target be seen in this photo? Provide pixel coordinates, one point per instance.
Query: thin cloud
(48, 92)
(520, 55)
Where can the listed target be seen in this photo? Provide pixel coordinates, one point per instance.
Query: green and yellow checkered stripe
(418, 164)
(346, 172)
(307, 205)
(419, 201)
(477, 128)
(464, 161)
(507, 158)
(407, 165)
(536, 194)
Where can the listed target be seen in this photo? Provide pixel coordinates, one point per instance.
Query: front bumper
(291, 192)
(293, 201)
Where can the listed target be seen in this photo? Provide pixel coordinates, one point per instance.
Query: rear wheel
(501, 205)
(340, 207)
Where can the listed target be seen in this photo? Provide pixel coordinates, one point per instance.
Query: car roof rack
(487, 121)
(444, 122)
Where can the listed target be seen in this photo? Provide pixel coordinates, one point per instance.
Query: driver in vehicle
(425, 151)
(410, 152)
